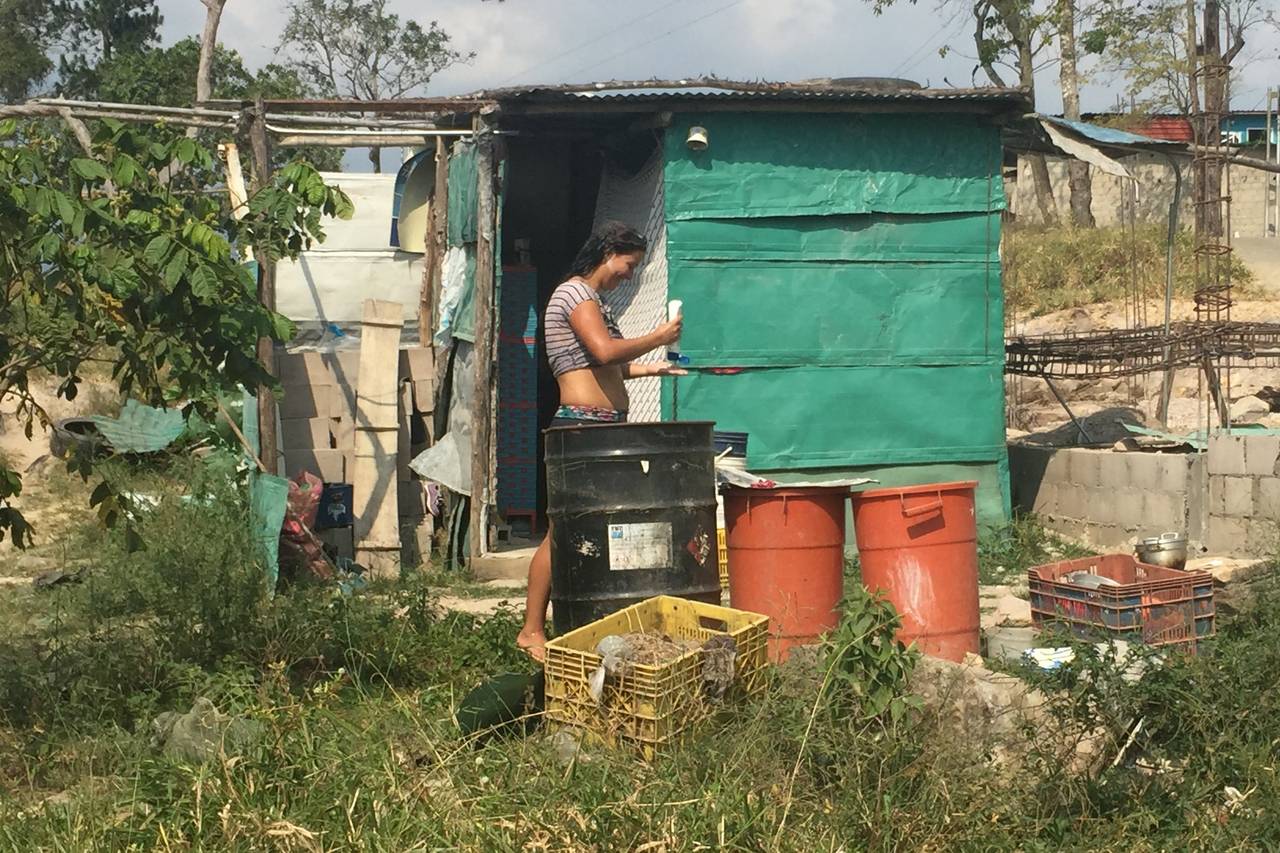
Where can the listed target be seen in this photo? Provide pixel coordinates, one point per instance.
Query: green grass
(358, 750)
(1051, 269)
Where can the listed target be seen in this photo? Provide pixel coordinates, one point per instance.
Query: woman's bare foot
(532, 643)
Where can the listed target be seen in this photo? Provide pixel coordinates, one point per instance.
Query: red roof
(1172, 128)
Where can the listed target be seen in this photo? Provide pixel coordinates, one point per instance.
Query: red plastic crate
(1152, 604)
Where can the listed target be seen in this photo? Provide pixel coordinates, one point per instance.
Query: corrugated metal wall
(848, 265)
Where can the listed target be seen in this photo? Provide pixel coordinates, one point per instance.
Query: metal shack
(835, 243)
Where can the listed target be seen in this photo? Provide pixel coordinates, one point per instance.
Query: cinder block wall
(1226, 500)
(1244, 494)
(1104, 498)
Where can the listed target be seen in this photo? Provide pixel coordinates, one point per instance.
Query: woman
(591, 362)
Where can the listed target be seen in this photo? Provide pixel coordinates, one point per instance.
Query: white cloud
(547, 41)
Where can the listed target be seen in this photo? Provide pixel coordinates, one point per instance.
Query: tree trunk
(1017, 27)
(375, 157)
(1081, 185)
(208, 45)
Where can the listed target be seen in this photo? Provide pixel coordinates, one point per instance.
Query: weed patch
(1051, 269)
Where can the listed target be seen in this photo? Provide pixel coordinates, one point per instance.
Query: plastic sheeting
(817, 417)
(842, 299)
(448, 461)
(777, 313)
(804, 164)
(463, 167)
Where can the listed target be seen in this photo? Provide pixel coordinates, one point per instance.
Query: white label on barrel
(639, 546)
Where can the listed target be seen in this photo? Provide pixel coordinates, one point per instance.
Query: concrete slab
(510, 565)
(478, 606)
(1227, 570)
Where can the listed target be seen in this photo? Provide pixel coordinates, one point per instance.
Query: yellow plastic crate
(653, 704)
(723, 551)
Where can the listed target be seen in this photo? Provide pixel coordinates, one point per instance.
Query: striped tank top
(564, 350)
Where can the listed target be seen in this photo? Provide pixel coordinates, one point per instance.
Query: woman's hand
(669, 332)
(669, 370)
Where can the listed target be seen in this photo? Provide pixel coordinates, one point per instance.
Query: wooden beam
(355, 140)
(481, 411)
(266, 296)
(347, 105)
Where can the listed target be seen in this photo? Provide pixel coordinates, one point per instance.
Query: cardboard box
(344, 366)
(343, 430)
(328, 465)
(417, 364)
(424, 396)
(306, 433)
(307, 401)
(304, 368)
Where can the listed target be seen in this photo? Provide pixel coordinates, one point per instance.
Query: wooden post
(481, 412)
(434, 255)
(268, 444)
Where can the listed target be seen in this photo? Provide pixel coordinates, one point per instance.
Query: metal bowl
(1168, 550)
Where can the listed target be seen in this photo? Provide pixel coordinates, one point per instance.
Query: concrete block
(1115, 470)
(1264, 534)
(1162, 511)
(1238, 496)
(1146, 470)
(1076, 499)
(1174, 472)
(1227, 455)
(1228, 536)
(1124, 507)
(1110, 537)
(1065, 501)
(1046, 499)
(1260, 454)
(1268, 503)
(1084, 466)
(1217, 495)
(1055, 462)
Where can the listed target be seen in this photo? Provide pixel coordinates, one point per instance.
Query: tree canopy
(101, 261)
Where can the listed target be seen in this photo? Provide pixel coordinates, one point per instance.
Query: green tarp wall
(847, 268)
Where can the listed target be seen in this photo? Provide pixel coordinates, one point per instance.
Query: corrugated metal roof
(1108, 136)
(1013, 98)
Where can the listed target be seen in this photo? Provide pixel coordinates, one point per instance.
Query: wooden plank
(374, 484)
(481, 411)
(377, 385)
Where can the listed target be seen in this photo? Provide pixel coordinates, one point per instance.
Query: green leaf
(100, 494)
(157, 250)
(90, 170)
(204, 284)
(184, 151)
(282, 328)
(125, 171)
(176, 267)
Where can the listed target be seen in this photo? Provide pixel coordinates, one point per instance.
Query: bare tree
(357, 49)
(1069, 77)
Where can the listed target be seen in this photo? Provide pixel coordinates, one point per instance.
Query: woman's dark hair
(612, 238)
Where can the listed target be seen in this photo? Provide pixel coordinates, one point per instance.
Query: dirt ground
(1102, 403)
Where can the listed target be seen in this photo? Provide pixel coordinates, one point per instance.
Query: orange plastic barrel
(919, 545)
(786, 560)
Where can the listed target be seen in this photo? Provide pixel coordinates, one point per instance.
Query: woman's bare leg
(533, 636)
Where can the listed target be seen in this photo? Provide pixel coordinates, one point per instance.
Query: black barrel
(633, 515)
